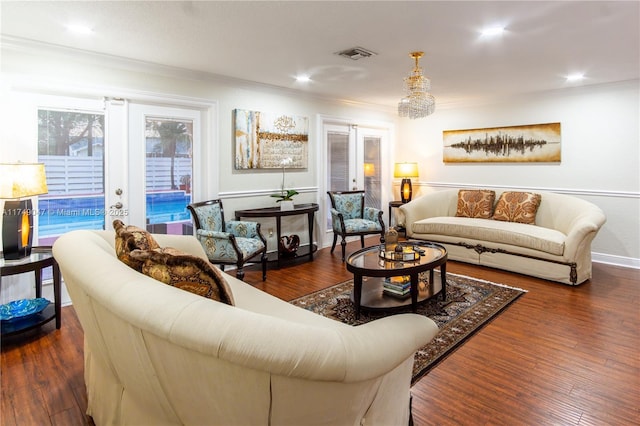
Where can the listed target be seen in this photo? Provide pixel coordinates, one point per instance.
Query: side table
(40, 258)
(395, 205)
(275, 212)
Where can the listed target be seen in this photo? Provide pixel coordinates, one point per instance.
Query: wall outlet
(270, 232)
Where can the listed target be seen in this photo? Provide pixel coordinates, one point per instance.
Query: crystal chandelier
(418, 102)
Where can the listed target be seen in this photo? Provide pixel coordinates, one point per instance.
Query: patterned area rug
(470, 304)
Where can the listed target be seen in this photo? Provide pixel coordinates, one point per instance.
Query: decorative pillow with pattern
(475, 203)
(129, 238)
(185, 272)
(517, 207)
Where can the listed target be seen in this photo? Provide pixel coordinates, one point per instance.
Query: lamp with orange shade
(19, 180)
(406, 171)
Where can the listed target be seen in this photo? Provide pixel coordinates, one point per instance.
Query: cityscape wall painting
(516, 144)
(265, 140)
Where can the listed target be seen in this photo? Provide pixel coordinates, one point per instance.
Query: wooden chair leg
(362, 241)
(343, 243)
(264, 266)
(335, 239)
(240, 273)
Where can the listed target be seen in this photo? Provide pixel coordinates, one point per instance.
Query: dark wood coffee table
(368, 293)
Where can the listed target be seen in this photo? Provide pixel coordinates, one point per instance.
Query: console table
(40, 258)
(278, 214)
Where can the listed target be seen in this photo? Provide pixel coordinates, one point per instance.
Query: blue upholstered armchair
(349, 217)
(228, 243)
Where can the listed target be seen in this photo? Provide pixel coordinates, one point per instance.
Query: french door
(354, 161)
(108, 159)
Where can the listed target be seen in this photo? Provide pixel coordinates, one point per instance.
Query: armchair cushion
(184, 271)
(129, 238)
(210, 217)
(241, 228)
(361, 225)
(349, 205)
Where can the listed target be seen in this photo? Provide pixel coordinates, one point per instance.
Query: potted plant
(285, 196)
(185, 183)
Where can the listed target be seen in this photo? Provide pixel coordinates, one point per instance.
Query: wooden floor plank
(558, 355)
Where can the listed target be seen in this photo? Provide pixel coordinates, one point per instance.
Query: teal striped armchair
(228, 243)
(350, 217)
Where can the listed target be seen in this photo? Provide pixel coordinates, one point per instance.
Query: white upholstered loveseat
(156, 355)
(556, 248)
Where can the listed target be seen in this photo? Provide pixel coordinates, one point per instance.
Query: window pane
(71, 145)
(338, 161)
(169, 169)
(338, 165)
(372, 180)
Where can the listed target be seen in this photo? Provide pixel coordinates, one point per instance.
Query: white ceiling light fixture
(303, 78)
(79, 29)
(417, 102)
(575, 77)
(492, 31)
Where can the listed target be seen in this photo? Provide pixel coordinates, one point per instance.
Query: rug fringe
(488, 282)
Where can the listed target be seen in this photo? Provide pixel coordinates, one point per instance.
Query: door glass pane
(338, 166)
(169, 144)
(372, 180)
(71, 144)
(338, 172)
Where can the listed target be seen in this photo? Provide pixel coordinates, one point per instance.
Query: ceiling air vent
(356, 53)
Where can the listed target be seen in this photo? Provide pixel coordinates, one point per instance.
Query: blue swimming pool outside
(59, 215)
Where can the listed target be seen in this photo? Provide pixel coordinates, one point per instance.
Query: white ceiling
(271, 41)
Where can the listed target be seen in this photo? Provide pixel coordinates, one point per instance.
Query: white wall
(600, 155)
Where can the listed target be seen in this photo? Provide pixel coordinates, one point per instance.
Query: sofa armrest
(435, 204)
(582, 231)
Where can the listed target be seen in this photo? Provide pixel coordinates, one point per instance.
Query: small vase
(286, 205)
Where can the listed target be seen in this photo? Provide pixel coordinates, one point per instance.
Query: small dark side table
(40, 258)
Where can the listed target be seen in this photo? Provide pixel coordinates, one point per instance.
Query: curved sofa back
(155, 354)
(557, 211)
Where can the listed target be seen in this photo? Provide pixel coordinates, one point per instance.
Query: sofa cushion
(517, 207)
(185, 272)
(512, 233)
(476, 203)
(129, 238)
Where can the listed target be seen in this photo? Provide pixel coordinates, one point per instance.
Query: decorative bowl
(18, 309)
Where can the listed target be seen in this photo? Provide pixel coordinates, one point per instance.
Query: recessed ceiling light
(303, 78)
(492, 31)
(79, 29)
(575, 77)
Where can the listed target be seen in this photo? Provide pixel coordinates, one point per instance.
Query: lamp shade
(22, 180)
(369, 169)
(405, 170)
(19, 180)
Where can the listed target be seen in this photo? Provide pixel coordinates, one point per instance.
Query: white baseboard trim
(610, 259)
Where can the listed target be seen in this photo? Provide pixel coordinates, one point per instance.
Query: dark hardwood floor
(559, 355)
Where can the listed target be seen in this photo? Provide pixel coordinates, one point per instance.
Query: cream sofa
(556, 248)
(157, 355)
